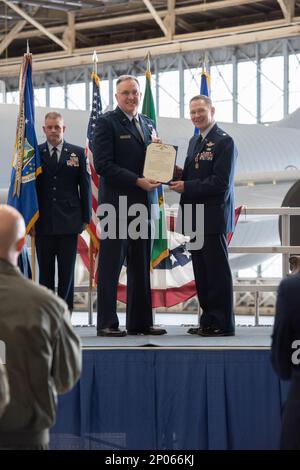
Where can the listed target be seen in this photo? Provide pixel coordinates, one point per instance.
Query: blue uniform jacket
(64, 195)
(209, 179)
(119, 155)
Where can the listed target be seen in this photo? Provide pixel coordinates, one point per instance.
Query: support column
(65, 87)
(87, 88)
(285, 50)
(110, 88)
(47, 90)
(258, 84)
(3, 90)
(156, 69)
(181, 86)
(234, 88)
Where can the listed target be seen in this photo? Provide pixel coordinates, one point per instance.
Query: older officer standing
(207, 179)
(64, 196)
(120, 140)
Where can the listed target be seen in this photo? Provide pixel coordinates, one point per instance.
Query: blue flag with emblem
(26, 161)
(205, 84)
(204, 89)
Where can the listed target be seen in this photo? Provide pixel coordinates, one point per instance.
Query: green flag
(159, 249)
(148, 103)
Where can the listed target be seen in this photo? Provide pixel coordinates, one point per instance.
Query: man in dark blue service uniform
(119, 146)
(65, 200)
(286, 357)
(208, 179)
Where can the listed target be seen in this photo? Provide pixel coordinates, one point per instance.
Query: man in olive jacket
(43, 354)
(4, 388)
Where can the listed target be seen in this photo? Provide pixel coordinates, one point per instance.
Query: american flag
(172, 280)
(83, 243)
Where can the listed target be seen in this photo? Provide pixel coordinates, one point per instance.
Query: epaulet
(146, 117)
(108, 113)
(77, 148)
(221, 132)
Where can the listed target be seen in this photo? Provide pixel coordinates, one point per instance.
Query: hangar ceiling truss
(64, 34)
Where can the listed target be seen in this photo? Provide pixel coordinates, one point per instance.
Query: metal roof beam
(213, 6)
(140, 17)
(184, 25)
(157, 47)
(69, 35)
(169, 20)
(156, 17)
(288, 9)
(35, 23)
(8, 38)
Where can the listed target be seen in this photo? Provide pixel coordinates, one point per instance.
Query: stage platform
(173, 392)
(247, 337)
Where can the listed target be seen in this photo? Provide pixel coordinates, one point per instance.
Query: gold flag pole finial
(148, 67)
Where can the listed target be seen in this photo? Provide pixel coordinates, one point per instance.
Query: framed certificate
(160, 162)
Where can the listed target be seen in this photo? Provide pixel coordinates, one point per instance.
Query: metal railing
(285, 249)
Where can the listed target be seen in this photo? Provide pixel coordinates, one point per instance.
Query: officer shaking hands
(207, 181)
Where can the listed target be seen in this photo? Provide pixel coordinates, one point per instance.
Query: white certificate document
(160, 162)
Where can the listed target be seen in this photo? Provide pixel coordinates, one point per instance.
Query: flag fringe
(95, 240)
(32, 222)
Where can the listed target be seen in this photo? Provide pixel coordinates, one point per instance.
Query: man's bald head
(12, 233)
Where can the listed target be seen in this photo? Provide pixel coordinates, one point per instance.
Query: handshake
(177, 173)
(177, 184)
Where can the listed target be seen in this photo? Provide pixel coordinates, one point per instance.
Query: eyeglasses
(128, 93)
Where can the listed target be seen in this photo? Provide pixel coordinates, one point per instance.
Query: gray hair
(205, 98)
(124, 78)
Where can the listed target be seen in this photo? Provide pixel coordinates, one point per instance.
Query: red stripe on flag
(83, 251)
(165, 297)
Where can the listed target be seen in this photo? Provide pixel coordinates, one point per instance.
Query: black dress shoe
(195, 330)
(112, 332)
(148, 331)
(215, 332)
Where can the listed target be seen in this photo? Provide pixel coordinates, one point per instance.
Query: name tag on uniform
(125, 136)
(73, 161)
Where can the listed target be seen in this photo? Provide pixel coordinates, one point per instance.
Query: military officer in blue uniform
(207, 179)
(286, 357)
(65, 201)
(119, 146)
